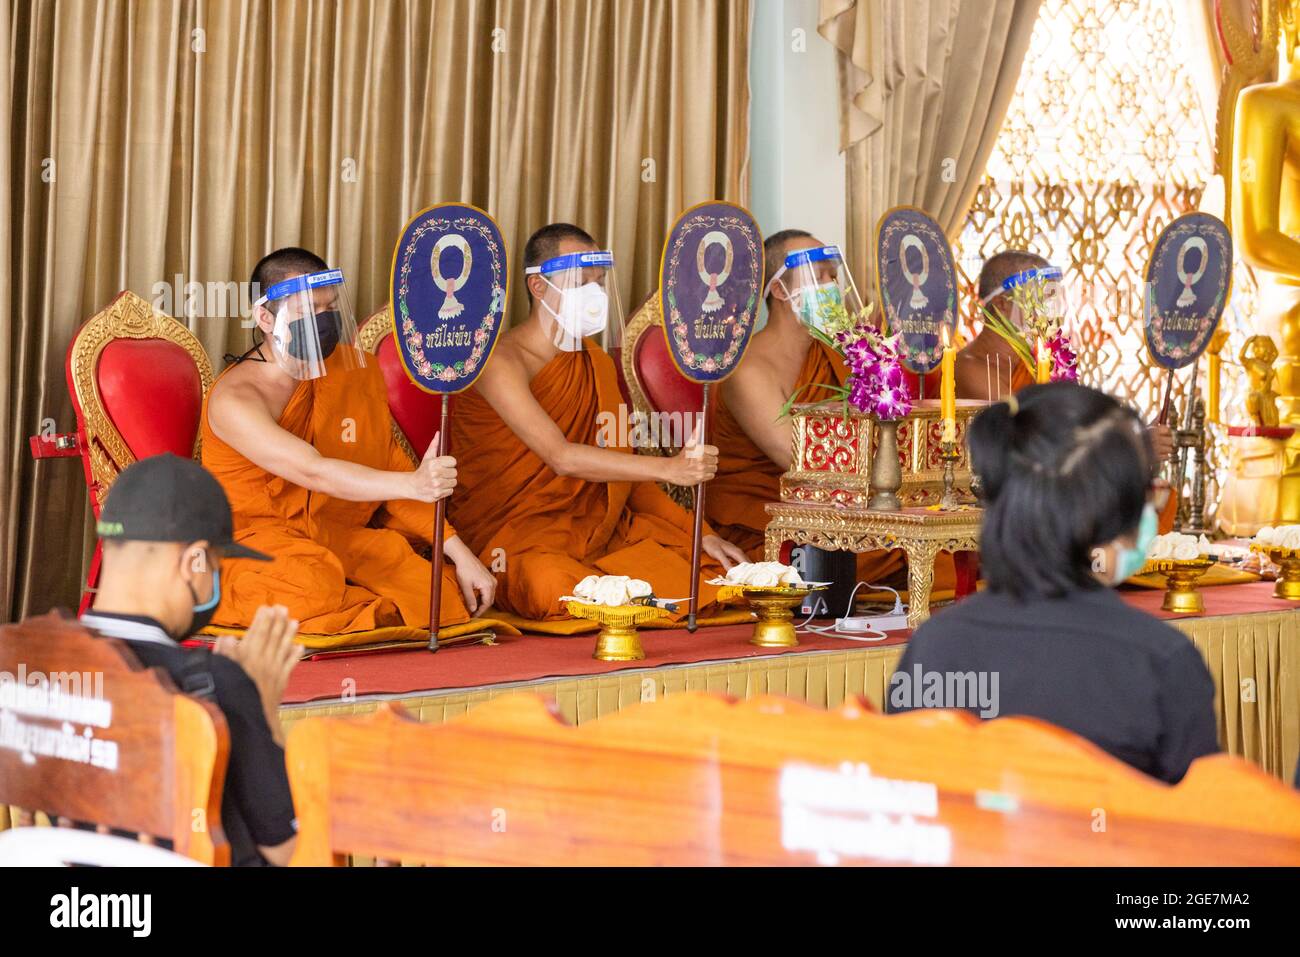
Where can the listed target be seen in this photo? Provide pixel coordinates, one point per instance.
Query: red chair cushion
(152, 393)
(416, 412)
(666, 389)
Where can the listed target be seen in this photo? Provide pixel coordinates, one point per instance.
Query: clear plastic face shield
(819, 287)
(313, 327)
(1037, 294)
(579, 300)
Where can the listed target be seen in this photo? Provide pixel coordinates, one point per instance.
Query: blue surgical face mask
(1129, 561)
(203, 611)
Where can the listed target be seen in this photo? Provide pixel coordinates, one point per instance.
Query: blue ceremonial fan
(1188, 280)
(917, 285)
(710, 275)
(450, 282)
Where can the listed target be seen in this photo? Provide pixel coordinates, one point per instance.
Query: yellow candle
(1044, 364)
(948, 388)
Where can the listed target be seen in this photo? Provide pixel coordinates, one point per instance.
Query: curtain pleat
(925, 86)
(155, 139)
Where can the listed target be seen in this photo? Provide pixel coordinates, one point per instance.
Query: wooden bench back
(88, 735)
(696, 779)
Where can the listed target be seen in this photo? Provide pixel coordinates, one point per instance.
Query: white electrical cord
(849, 626)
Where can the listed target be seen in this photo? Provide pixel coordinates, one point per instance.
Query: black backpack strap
(195, 677)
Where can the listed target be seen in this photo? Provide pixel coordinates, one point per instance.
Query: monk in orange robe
(545, 491)
(974, 359)
(317, 480)
(754, 440)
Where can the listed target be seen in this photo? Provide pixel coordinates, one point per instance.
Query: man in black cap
(165, 529)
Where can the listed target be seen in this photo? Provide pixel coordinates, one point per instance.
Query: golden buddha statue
(1261, 135)
(1257, 358)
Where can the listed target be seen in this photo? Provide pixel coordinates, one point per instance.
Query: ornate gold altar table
(920, 532)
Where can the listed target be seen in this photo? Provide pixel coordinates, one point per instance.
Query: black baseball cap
(166, 498)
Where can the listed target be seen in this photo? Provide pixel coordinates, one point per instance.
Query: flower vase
(886, 474)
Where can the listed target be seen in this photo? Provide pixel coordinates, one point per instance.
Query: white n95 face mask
(584, 311)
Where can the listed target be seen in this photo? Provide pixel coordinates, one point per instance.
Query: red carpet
(1244, 599)
(532, 657)
(528, 658)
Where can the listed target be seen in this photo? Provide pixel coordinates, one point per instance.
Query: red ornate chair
(653, 382)
(137, 380)
(415, 412)
(651, 379)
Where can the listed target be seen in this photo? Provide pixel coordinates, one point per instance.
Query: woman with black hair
(1065, 478)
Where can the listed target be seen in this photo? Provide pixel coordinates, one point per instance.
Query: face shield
(1032, 297)
(820, 289)
(580, 300)
(313, 327)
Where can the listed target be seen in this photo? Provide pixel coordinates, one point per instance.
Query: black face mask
(327, 331)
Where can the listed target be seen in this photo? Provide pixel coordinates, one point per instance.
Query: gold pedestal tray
(773, 607)
(618, 639)
(1181, 594)
(1288, 576)
(919, 532)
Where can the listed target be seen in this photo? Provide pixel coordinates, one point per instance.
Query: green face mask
(819, 303)
(1129, 561)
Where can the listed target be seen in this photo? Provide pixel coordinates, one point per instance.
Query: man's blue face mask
(203, 611)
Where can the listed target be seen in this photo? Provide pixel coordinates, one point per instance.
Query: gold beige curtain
(925, 85)
(148, 140)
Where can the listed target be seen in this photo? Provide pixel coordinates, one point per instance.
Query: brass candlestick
(1190, 443)
(948, 453)
(618, 639)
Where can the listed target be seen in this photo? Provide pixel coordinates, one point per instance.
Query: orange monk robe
(747, 479)
(338, 566)
(549, 531)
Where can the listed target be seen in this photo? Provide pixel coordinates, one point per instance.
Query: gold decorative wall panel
(1104, 144)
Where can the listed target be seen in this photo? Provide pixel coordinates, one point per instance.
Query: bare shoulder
(507, 373)
(755, 371)
(238, 392)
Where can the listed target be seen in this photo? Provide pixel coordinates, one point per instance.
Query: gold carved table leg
(773, 538)
(920, 579)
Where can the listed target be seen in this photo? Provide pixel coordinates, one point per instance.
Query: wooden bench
(696, 779)
(90, 737)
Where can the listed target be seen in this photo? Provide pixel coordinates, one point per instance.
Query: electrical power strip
(892, 622)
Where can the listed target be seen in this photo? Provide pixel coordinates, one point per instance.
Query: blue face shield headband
(1042, 274)
(806, 257)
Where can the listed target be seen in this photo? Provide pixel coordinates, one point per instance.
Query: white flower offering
(609, 590)
(1177, 547)
(1284, 536)
(762, 575)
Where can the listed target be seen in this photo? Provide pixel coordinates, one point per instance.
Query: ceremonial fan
(1188, 279)
(449, 285)
(917, 285)
(710, 276)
